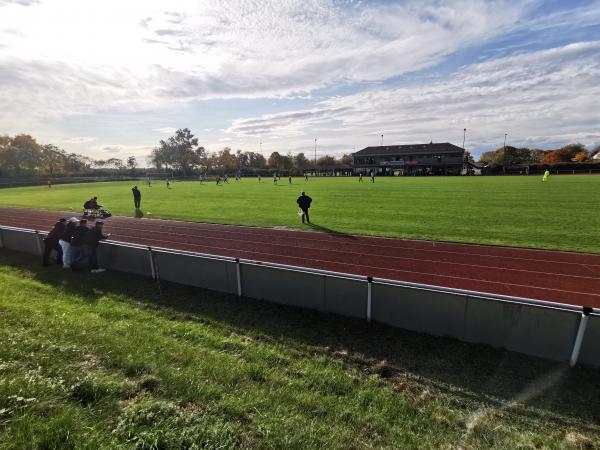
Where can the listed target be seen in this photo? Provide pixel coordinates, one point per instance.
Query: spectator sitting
(92, 203)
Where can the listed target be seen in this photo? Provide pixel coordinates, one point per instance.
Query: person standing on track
(65, 241)
(304, 202)
(90, 246)
(137, 197)
(51, 243)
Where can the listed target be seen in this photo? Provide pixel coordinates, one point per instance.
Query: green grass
(111, 362)
(517, 211)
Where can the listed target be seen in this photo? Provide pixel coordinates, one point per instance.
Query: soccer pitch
(517, 211)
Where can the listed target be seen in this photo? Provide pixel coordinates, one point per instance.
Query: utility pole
(464, 136)
(315, 151)
(382, 139)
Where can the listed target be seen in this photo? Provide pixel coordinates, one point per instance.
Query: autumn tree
(180, 152)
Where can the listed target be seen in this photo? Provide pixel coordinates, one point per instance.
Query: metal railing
(581, 311)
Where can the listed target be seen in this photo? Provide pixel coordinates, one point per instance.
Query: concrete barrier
(555, 331)
(208, 273)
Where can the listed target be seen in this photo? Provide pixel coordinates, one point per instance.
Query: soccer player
(305, 177)
(226, 178)
(546, 175)
(259, 179)
(168, 184)
(372, 176)
(304, 202)
(360, 178)
(49, 184)
(218, 180)
(149, 181)
(274, 178)
(290, 179)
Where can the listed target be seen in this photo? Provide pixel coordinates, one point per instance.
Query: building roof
(434, 147)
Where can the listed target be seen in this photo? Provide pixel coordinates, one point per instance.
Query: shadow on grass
(483, 377)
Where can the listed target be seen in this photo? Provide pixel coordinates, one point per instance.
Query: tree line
(513, 156)
(181, 153)
(22, 156)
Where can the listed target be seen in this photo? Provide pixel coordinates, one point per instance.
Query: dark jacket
(56, 233)
(93, 237)
(79, 235)
(91, 204)
(69, 230)
(304, 202)
(136, 193)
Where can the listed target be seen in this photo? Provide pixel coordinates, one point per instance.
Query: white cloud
(539, 98)
(73, 57)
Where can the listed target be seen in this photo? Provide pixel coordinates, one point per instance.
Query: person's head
(135, 187)
(63, 220)
(83, 223)
(304, 193)
(95, 198)
(99, 224)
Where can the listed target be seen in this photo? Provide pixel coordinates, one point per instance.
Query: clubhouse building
(416, 159)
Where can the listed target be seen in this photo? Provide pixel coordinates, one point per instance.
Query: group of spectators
(75, 244)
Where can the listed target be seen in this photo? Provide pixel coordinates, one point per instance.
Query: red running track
(562, 277)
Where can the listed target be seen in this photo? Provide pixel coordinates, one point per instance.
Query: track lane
(546, 275)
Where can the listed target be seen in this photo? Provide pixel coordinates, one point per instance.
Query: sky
(111, 78)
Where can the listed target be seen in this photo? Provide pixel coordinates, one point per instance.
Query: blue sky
(111, 78)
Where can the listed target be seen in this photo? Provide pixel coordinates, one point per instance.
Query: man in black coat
(76, 250)
(90, 245)
(137, 197)
(51, 242)
(304, 202)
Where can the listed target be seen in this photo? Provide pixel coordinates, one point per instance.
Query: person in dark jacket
(51, 243)
(76, 250)
(65, 241)
(137, 197)
(90, 243)
(304, 202)
(92, 203)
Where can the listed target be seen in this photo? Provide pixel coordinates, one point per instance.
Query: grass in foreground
(108, 362)
(517, 211)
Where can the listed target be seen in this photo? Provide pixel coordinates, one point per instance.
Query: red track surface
(563, 277)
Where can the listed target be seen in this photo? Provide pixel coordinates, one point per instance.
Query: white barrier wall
(536, 328)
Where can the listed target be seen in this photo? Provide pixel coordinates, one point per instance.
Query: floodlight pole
(315, 151)
(464, 136)
(382, 139)
(504, 146)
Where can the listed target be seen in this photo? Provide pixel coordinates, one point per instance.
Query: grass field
(109, 363)
(518, 211)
